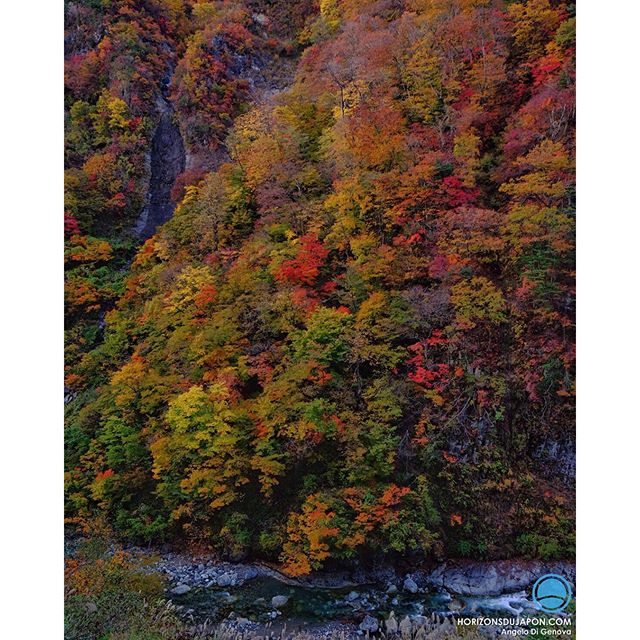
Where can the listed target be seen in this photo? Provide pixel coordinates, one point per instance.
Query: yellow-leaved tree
(198, 460)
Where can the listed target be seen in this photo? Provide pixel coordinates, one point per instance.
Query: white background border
(608, 313)
(608, 310)
(31, 316)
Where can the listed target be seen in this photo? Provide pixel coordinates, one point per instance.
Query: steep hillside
(354, 338)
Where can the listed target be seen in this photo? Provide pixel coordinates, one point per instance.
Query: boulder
(410, 585)
(181, 589)
(369, 624)
(279, 601)
(353, 595)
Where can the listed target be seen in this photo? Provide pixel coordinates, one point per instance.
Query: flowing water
(307, 605)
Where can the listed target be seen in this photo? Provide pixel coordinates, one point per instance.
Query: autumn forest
(350, 337)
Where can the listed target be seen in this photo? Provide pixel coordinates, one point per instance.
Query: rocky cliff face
(167, 157)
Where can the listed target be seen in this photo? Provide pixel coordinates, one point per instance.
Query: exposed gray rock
(353, 595)
(167, 161)
(181, 589)
(494, 578)
(369, 624)
(246, 572)
(392, 590)
(382, 575)
(279, 601)
(226, 580)
(409, 585)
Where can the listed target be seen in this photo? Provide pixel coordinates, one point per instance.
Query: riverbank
(255, 600)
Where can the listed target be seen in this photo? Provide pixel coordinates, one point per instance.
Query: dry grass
(434, 629)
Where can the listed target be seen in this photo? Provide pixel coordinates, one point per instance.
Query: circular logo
(552, 592)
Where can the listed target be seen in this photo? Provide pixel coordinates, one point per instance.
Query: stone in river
(409, 585)
(279, 601)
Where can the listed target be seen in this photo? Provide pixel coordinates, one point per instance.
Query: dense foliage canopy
(354, 339)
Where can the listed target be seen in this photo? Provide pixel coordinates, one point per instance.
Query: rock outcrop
(494, 578)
